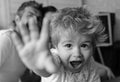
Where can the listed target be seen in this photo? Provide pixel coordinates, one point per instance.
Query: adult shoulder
(5, 45)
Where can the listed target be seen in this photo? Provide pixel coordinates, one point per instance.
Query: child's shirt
(87, 74)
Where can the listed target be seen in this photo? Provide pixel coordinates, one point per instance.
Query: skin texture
(74, 47)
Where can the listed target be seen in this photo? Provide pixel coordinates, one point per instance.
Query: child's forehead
(75, 36)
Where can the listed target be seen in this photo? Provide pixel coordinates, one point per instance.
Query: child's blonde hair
(76, 20)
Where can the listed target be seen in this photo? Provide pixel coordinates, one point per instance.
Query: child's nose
(77, 52)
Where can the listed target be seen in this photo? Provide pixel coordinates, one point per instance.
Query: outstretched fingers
(34, 29)
(23, 28)
(44, 35)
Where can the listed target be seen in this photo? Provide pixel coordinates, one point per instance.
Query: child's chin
(77, 69)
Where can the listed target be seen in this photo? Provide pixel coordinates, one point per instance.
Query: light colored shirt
(11, 67)
(87, 74)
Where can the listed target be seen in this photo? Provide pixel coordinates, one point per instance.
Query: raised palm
(32, 45)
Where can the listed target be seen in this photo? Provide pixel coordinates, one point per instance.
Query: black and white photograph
(59, 40)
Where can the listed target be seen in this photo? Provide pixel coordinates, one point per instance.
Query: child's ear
(54, 51)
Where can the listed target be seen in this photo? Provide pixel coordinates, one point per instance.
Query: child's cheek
(87, 54)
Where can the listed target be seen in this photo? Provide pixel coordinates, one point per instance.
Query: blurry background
(9, 7)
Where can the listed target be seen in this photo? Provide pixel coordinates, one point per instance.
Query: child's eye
(68, 45)
(85, 46)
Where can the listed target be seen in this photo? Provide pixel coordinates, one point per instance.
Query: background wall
(4, 13)
(7, 9)
(103, 5)
(107, 6)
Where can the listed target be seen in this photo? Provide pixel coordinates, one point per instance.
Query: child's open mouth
(76, 64)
